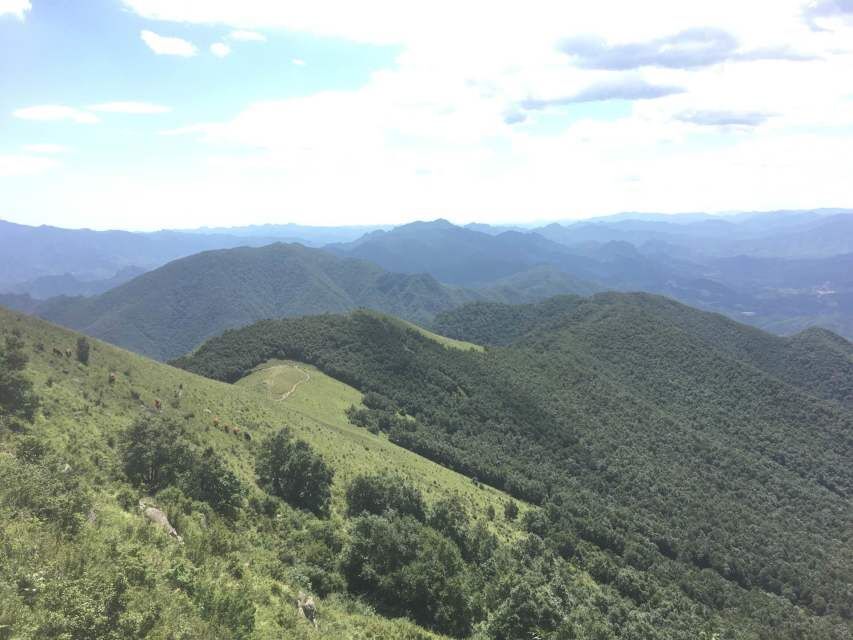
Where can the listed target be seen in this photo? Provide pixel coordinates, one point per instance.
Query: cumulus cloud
(49, 149)
(821, 14)
(220, 49)
(17, 8)
(617, 89)
(55, 112)
(688, 49)
(129, 107)
(247, 36)
(722, 118)
(167, 46)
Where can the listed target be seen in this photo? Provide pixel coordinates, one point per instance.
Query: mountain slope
(667, 437)
(169, 311)
(111, 574)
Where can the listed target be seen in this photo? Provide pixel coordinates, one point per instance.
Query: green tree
(154, 453)
(510, 510)
(380, 492)
(16, 391)
(291, 470)
(408, 569)
(209, 480)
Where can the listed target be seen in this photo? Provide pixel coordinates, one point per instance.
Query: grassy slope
(82, 415)
(316, 411)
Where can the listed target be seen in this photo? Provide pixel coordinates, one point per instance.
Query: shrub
(381, 492)
(291, 470)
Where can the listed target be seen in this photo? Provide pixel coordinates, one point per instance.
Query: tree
(408, 569)
(209, 480)
(380, 492)
(291, 470)
(83, 350)
(16, 395)
(510, 510)
(154, 453)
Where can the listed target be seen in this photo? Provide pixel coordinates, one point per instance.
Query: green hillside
(78, 560)
(171, 310)
(699, 470)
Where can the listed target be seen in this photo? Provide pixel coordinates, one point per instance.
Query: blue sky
(145, 114)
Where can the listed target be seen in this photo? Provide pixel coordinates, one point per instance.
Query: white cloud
(247, 36)
(220, 49)
(12, 166)
(299, 62)
(129, 107)
(17, 8)
(49, 149)
(444, 129)
(56, 112)
(166, 46)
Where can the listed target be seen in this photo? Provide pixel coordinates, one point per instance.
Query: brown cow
(216, 421)
(57, 352)
(112, 377)
(68, 353)
(157, 404)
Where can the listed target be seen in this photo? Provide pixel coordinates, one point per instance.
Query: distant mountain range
(168, 311)
(782, 271)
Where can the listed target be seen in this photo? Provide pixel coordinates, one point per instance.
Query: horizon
(182, 115)
(528, 226)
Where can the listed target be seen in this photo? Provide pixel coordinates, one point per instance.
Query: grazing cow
(157, 404)
(307, 609)
(236, 431)
(247, 435)
(112, 377)
(216, 421)
(68, 353)
(159, 518)
(57, 352)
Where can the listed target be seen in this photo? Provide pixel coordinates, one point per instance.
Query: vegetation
(665, 447)
(79, 560)
(291, 470)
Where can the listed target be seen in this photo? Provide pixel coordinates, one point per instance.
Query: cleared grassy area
(451, 343)
(316, 409)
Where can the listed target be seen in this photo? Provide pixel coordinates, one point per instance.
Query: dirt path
(307, 378)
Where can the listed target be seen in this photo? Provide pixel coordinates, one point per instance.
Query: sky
(147, 114)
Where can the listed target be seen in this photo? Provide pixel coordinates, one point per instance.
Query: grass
(83, 413)
(317, 409)
(450, 343)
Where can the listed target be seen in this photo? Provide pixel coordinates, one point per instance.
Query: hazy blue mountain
(29, 252)
(307, 235)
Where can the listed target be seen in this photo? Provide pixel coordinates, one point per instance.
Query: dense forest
(698, 467)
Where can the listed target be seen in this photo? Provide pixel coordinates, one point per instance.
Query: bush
(291, 470)
(408, 569)
(381, 492)
(16, 392)
(153, 452)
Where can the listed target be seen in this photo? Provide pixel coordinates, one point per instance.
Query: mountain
(697, 469)
(81, 560)
(68, 285)
(308, 235)
(169, 311)
(697, 260)
(34, 252)
(452, 254)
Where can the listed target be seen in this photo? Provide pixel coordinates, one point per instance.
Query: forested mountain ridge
(636, 423)
(168, 311)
